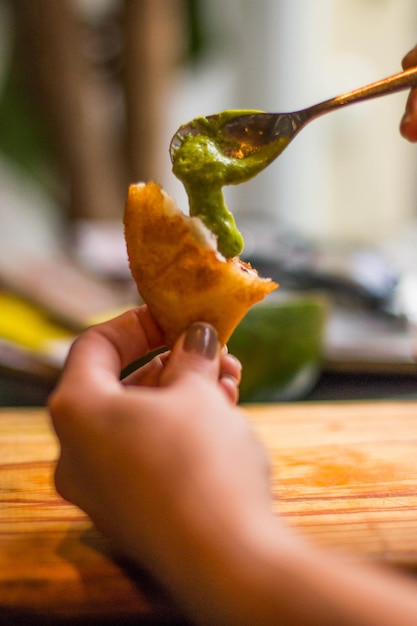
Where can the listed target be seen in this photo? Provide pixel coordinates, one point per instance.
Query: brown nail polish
(202, 339)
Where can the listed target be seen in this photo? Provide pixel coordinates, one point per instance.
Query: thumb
(196, 351)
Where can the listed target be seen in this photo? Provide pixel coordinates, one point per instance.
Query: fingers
(231, 366)
(230, 376)
(410, 59)
(93, 367)
(408, 125)
(230, 370)
(196, 353)
(97, 357)
(148, 375)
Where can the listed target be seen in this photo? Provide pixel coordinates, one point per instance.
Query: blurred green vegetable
(279, 343)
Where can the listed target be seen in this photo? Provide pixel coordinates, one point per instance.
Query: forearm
(313, 586)
(272, 576)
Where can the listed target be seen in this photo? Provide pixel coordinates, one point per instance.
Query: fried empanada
(178, 270)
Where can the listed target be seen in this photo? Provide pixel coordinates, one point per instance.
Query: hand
(163, 462)
(168, 468)
(408, 126)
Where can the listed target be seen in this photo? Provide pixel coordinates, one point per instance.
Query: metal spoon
(243, 134)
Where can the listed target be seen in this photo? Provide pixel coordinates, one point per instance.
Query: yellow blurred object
(28, 325)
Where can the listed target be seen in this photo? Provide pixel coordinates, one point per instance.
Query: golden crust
(178, 271)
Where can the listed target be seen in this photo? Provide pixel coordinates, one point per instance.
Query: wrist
(228, 576)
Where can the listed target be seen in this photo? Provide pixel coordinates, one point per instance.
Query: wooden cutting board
(345, 474)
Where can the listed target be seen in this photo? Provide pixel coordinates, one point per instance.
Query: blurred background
(91, 92)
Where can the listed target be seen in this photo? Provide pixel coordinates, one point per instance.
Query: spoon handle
(397, 82)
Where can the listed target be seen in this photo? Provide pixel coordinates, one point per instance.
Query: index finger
(410, 59)
(102, 351)
(408, 124)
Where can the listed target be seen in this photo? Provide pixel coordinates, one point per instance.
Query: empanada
(178, 270)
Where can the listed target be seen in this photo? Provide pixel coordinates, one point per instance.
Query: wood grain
(345, 474)
(52, 562)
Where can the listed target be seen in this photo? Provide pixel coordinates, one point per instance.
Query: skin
(408, 126)
(198, 513)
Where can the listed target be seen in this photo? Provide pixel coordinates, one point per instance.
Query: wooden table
(345, 474)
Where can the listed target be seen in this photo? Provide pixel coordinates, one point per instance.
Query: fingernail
(202, 339)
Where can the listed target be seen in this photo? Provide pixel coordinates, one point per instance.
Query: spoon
(243, 134)
(231, 147)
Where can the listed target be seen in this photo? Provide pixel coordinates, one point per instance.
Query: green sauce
(202, 164)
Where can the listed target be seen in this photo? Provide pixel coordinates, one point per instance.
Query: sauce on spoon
(205, 160)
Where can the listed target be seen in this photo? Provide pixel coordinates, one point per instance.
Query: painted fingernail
(202, 339)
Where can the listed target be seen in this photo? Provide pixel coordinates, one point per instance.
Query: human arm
(169, 469)
(408, 126)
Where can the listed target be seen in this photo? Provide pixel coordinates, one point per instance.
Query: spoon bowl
(256, 134)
